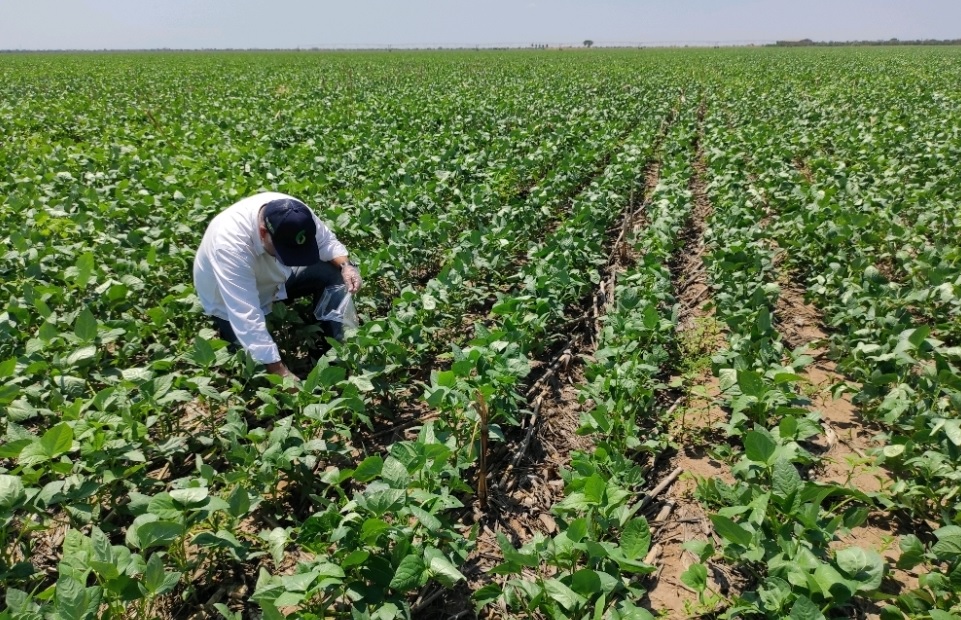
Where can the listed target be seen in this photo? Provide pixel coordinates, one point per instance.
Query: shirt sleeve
(330, 248)
(238, 285)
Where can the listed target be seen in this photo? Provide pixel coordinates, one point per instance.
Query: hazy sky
(124, 24)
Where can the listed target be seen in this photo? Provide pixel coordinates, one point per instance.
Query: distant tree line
(810, 43)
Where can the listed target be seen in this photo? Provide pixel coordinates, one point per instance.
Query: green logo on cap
(301, 237)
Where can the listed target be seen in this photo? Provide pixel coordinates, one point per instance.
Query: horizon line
(698, 43)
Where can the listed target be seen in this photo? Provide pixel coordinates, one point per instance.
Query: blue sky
(138, 24)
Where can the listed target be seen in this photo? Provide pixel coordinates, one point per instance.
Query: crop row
(776, 521)
(596, 564)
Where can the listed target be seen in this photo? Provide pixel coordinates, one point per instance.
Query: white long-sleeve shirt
(237, 280)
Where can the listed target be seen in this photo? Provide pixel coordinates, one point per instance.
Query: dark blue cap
(293, 231)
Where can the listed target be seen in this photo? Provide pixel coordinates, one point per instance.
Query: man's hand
(351, 277)
(280, 369)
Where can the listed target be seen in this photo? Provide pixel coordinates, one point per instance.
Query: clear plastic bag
(337, 304)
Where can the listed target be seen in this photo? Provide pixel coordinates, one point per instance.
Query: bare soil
(681, 517)
(685, 518)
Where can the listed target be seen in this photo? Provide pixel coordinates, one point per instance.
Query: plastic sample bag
(337, 305)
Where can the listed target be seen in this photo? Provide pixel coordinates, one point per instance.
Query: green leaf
(586, 582)
(952, 428)
(73, 599)
(107, 570)
(832, 583)
(893, 450)
(158, 534)
(918, 335)
(751, 383)
(222, 539)
(329, 570)
(85, 327)
(324, 375)
(764, 320)
(394, 473)
(81, 355)
(486, 595)
(372, 529)
(355, 558)
(512, 555)
(865, 567)
(85, 266)
(759, 446)
(164, 507)
(626, 564)
(369, 468)
(11, 491)
(276, 540)
(805, 609)
(636, 539)
(788, 427)
(727, 378)
(57, 440)
(565, 597)
(695, 577)
(363, 382)
(441, 569)
(855, 516)
(408, 574)
(425, 518)
(332, 375)
(32, 455)
(786, 479)
(153, 576)
(203, 354)
(787, 377)
(100, 544)
(912, 552)
(190, 495)
(227, 614)
(948, 546)
(8, 367)
(731, 531)
(577, 529)
(239, 502)
(12, 449)
(933, 581)
(594, 488)
(701, 548)
(385, 500)
(299, 582)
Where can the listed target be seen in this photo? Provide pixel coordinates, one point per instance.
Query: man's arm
(331, 249)
(238, 285)
(334, 251)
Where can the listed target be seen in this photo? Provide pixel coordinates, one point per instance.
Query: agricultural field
(653, 333)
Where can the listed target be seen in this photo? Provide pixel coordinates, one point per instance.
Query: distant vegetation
(810, 43)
